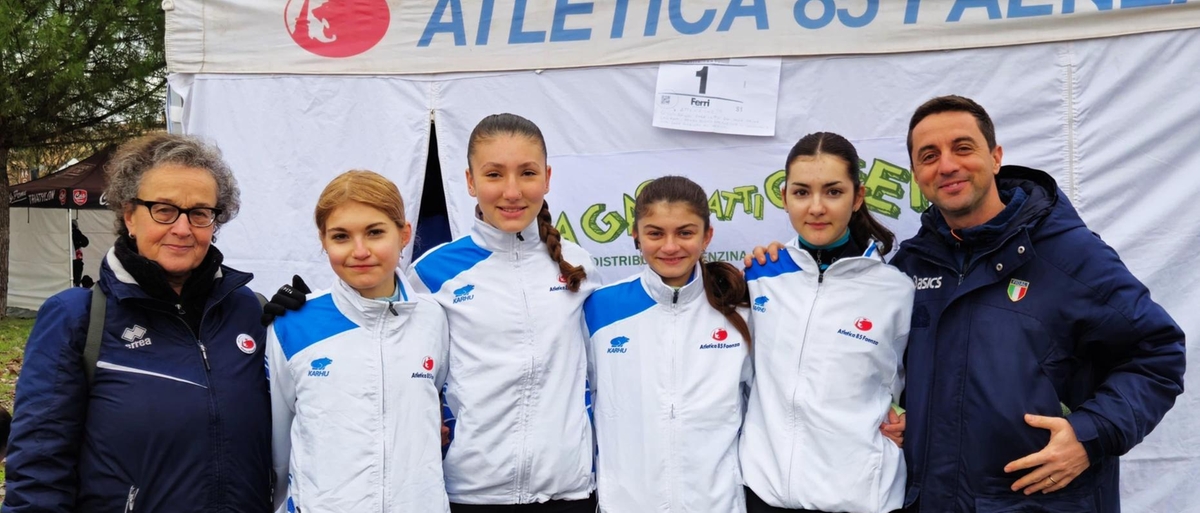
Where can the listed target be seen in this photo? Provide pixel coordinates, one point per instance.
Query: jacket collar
(494, 239)
(807, 263)
(118, 283)
(664, 294)
(365, 312)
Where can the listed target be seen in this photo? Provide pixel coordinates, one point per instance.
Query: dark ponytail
(727, 291)
(723, 284)
(863, 226)
(574, 274)
(512, 124)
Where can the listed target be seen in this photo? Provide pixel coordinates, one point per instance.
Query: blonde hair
(361, 186)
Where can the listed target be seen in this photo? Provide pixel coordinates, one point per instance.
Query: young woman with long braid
(513, 292)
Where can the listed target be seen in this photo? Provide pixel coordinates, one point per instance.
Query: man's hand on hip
(1054, 467)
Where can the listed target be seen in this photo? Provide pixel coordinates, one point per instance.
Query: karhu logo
(319, 367)
(760, 304)
(134, 337)
(464, 294)
(934, 282)
(618, 345)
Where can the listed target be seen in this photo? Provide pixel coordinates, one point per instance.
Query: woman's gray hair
(133, 159)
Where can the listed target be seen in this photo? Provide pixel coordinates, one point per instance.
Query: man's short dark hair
(954, 103)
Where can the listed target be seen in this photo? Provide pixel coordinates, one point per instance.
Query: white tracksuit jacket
(670, 374)
(516, 384)
(356, 420)
(829, 364)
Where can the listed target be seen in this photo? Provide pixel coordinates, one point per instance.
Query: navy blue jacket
(161, 429)
(1044, 315)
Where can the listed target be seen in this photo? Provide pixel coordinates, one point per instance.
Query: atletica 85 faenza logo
(336, 28)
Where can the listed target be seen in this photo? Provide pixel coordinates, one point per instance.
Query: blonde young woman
(355, 373)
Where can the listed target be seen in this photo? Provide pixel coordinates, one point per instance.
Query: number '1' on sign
(729, 96)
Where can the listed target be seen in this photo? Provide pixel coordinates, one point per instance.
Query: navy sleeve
(1146, 348)
(49, 410)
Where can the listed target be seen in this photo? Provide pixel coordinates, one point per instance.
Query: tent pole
(70, 253)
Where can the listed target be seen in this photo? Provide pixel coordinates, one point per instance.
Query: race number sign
(726, 96)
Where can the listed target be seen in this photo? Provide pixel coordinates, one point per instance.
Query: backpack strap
(95, 332)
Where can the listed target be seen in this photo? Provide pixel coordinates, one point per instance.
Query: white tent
(40, 252)
(1101, 96)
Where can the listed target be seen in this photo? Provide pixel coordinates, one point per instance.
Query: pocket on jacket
(1048, 503)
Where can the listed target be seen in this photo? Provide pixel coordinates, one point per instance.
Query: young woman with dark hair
(831, 324)
(513, 292)
(670, 347)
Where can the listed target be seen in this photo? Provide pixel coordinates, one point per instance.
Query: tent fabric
(1088, 112)
(79, 186)
(40, 252)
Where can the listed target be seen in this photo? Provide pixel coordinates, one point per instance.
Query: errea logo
(134, 337)
(464, 294)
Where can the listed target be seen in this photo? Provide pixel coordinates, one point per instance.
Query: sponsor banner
(744, 196)
(432, 36)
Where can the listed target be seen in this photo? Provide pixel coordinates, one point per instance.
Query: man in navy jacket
(1035, 358)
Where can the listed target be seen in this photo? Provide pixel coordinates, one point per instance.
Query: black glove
(289, 297)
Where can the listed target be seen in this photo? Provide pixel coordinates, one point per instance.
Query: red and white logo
(562, 279)
(863, 324)
(428, 363)
(246, 343)
(62, 196)
(720, 334)
(336, 28)
(79, 196)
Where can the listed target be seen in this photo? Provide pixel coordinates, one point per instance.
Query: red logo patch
(79, 196)
(720, 334)
(246, 344)
(863, 324)
(62, 196)
(428, 364)
(337, 28)
(562, 279)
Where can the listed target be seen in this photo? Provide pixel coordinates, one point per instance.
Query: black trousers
(587, 505)
(756, 505)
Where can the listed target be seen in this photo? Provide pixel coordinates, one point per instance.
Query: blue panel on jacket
(614, 303)
(443, 264)
(317, 321)
(784, 265)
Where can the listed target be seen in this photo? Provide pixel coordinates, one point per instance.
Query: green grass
(13, 333)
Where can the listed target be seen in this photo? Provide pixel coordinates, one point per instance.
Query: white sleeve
(283, 411)
(443, 349)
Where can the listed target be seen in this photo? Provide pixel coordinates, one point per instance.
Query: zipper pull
(133, 491)
(179, 309)
(520, 237)
(393, 309)
(204, 355)
(672, 410)
(675, 298)
(821, 278)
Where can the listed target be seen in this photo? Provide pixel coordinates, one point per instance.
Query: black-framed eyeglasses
(166, 213)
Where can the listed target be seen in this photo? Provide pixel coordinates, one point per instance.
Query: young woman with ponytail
(513, 293)
(831, 324)
(670, 346)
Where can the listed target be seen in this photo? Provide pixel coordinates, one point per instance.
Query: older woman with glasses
(173, 414)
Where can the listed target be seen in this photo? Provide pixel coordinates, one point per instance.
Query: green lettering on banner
(773, 187)
(916, 200)
(885, 179)
(613, 224)
(630, 212)
(565, 230)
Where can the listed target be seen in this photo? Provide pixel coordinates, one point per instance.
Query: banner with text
(434, 36)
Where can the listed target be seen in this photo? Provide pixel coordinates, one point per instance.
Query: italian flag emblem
(1017, 290)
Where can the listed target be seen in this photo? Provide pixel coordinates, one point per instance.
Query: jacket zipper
(522, 468)
(132, 497)
(383, 404)
(674, 348)
(799, 369)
